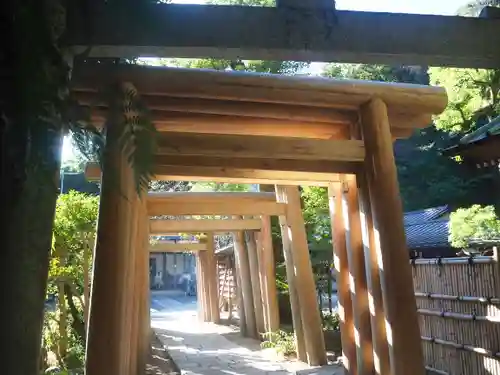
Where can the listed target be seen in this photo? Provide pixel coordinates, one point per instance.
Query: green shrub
(283, 342)
(331, 322)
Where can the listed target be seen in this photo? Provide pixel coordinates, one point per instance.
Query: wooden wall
(227, 280)
(458, 301)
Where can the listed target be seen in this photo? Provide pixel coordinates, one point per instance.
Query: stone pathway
(208, 349)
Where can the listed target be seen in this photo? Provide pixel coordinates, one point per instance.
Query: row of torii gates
(271, 130)
(253, 247)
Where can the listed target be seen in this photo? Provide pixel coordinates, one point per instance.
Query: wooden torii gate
(287, 131)
(258, 262)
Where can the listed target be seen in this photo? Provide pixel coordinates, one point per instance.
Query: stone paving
(208, 349)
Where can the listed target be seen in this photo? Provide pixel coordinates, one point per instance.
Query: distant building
(481, 147)
(170, 269)
(78, 182)
(427, 233)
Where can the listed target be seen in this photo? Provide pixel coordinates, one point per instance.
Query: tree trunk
(28, 205)
(77, 322)
(33, 78)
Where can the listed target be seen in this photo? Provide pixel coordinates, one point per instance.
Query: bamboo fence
(458, 301)
(227, 284)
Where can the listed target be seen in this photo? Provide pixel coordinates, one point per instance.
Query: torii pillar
(109, 333)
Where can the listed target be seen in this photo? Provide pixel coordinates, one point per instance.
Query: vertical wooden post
(359, 289)
(141, 249)
(205, 285)
(239, 296)
(262, 281)
(269, 275)
(306, 290)
(292, 284)
(128, 285)
(104, 350)
(246, 285)
(379, 337)
(403, 333)
(253, 262)
(143, 287)
(347, 329)
(199, 289)
(213, 277)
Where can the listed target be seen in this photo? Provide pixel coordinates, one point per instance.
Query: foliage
(473, 94)
(281, 281)
(127, 118)
(316, 215)
(383, 73)
(447, 182)
(473, 97)
(216, 186)
(283, 342)
(330, 321)
(166, 186)
(475, 7)
(473, 223)
(73, 235)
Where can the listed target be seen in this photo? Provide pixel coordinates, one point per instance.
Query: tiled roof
(492, 128)
(423, 216)
(427, 228)
(433, 233)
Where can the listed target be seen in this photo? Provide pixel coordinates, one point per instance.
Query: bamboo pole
(458, 316)
(436, 371)
(403, 331)
(269, 273)
(253, 263)
(246, 284)
(460, 260)
(347, 329)
(306, 289)
(482, 300)
(468, 348)
(359, 287)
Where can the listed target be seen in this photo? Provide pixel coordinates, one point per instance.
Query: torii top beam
(258, 128)
(231, 32)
